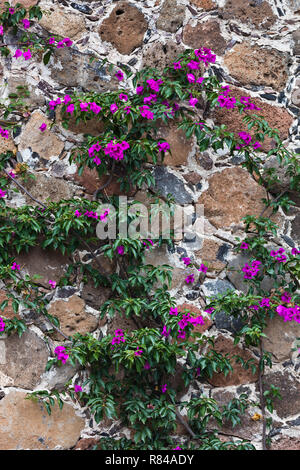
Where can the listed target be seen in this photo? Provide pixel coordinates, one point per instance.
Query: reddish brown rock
(208, 255)
(193, 177)
(171, 16)
(17, 362)
(124, 28)
(258, 14)
(206, 34)
(91, 181)
(204, 4)
(286, 443)
(255, 65)
(72, 316)
(278, 118)
(26, 3)
(239, 375)
(180, 146)
(26, 425)
(7, 145)
(49, 264)
(63, 22)
(232, 194)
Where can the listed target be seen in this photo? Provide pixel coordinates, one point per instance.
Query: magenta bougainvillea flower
(209, 310)
(26, 23)
(244, 246)
(173, 311)
(2, 193)
(60, 352)
(121, 250)
(138, 352)
(27, 54)
(15, 267)
(70, 108)
(203, 268)
(139, 90)
(43, 127)
(193, 101)
(114, 108)
(286, 297)
(123, 97)
(2, 324)
(164, 388)
(52, 284)
(119, 75)
(186, 261)
(177, 65)
(77, 388)
(18, 53)
(163, 146)
(190, 279)
(1, 30)
(191, 78)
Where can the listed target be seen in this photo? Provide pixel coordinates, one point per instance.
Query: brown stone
(91, 181)
(87, 443)
(171, 16)
(47, 189)
(206, 34)
(49, 264)
(26, 425)
(296, 229)
(26, 3)
(208, 255)
(280, 337)
(158, 257)
(248, 427)
(277, 118)
(8, 311)
(124, 28)
(7, 145)
(255, 65)
(95, 296)
(296, 39)
(180, 146)
(93, 126)
(289, 388)
(23, 359)
(205, 161)
(204, 4)
(72, 316)
(160, 55)
(63, 22)
(239, 375)
(232, 194)
(45, 143)
(193, 177)
(286, 443)
(258, 14)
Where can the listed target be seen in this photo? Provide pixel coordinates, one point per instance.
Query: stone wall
(257, 43)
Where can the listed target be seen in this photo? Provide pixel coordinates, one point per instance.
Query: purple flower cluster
(15, 266)
(251, 271)
(278, 255)
(2, 324)
(115, 150)
(186, 319)
(289, 313)
(247, 140)
(60, 353)
(119, 337)
(4, 133)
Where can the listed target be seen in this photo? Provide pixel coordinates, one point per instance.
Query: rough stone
(294, 5)
(17, 362)
(26, 425)
(232, 194)
(278, 118)
(34, 100)
(57, 377)
(205, 161)
(237, 276)
(95, 296)
(171, 16)
(206, 34)
(284, 180)
(49, 264)
(124, 28)
(166, 182)
(25, 3)
(193, 178)
(280, 337)
(204, 4)
(289, 388)
(160, 55)
(47, 189)
(259, 14)
(159, 257)
(87, 443)
(93, 126)
(73, 69)
(8, 311)
(239, 375)
(72, 316)
(254, 65)
(296, 229)
(286, 443)
(180, 146)
(7, 145)
(296, 93)
(46, 144)
(296, 39)
(209, 255)
(63, 22)
(247, 429)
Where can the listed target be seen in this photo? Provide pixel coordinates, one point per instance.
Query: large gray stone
(167, 183)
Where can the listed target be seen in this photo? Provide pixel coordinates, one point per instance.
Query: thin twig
(185, 424)
(261, 396)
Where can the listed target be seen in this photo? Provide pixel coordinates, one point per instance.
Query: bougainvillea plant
(130, 372)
